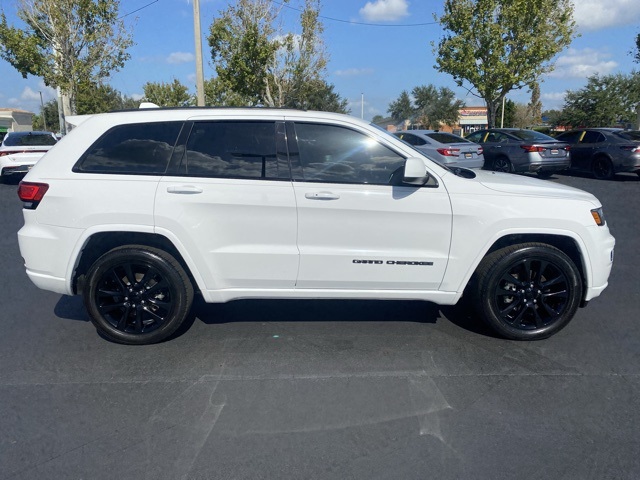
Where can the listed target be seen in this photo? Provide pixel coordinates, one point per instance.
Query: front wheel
(137, 295)
(528, 291)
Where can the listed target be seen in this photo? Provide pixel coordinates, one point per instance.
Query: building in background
(14, 120)
(471, 119)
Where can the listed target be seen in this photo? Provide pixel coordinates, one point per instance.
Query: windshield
(447, 138)
(28, 139)
(531, 135)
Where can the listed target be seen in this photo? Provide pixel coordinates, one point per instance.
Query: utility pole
(44, 117)
(502, 119)
(198, 40)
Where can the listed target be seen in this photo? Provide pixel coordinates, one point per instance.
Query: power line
(138, 9)
(359, 23)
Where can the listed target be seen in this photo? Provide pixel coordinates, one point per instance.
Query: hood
(523, 185)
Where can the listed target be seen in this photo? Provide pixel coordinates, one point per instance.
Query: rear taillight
(532, 148)
(480, 150)
(31, 193)
(11, 152)
(449, 152)
(631, 148)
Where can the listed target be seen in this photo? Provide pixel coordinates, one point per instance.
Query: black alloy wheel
(502, 164)
(528, 291)
(602, 168)
(137, 294)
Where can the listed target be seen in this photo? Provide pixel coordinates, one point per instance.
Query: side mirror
(415, 172)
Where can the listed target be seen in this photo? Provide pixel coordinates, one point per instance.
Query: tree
(48, 116)
(377, 119)
(498, 45)
(637, 54)
(430, 107)
(522, 117)
(553, 117)
(535, 105)
(67, 43)
(604, 102)
(257, 63)
(436, 106)
(97, 98)
(173, 94)
(402, 108)
(509, 113)
(321, 96)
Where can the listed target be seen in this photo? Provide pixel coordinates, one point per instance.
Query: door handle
(321, 196)
(184, 189)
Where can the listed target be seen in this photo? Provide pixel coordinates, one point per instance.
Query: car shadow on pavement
(262, 310)
(618, 177)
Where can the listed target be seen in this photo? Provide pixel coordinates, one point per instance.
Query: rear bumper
(550, 165)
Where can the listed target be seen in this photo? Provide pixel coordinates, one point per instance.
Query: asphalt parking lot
(323, 389)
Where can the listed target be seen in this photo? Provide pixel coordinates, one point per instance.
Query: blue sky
(377, 61)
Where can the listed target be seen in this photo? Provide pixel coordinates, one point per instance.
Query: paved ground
(333, 389)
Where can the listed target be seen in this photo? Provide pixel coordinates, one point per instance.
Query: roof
(15, 110)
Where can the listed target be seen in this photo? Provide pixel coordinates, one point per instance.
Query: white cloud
(353, 72)
(385, 10)
(29, 95)
(554, 96)
(598, 14)
(180, 57)
(137, 96)
(583, 63)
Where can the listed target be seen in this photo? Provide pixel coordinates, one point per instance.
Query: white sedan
(19, 151)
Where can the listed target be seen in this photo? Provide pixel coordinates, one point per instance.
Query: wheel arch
(99, 243)
(565, 243)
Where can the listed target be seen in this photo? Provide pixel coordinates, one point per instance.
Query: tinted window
(446, 138)
(570, 137)
(143, 148)
(233, 150)
(531, 135)
(28, 139)
(496, 137)
(475, 137)
(592, 137)
(336, 154)
(412, 139)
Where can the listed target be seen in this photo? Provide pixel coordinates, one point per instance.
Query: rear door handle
(321, 196)
(184, 189)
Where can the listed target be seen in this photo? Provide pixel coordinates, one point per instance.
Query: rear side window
(629, 135)
(570, 137)
(592, 137)
(143, 149)
(234, 149)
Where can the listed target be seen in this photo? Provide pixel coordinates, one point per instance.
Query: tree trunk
(492, 111)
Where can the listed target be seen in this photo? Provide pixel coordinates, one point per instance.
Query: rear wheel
(137, 295)
(602, 168)
(528, 291)
(502, 164)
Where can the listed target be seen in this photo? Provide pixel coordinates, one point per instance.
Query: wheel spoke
(553, 281)
(118, 280)
(560, 294)
(161, 284)
(110, 307)
(538, 319)
(155, 315)
(518, 317)
(122, 323)
(538, 273)
(509, 278)
(550, 311)
(138, 320)
(513, 305)
(149, 274)
(130, 275)
(109, 293)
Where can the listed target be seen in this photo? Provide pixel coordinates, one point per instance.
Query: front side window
(143, 149)
(475, 137)
(570, 137)
(591, 136)
(330, 153)
(234, 149)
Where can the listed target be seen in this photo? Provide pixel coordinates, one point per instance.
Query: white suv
(138, 211)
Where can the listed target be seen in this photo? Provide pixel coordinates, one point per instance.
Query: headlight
(598, 216)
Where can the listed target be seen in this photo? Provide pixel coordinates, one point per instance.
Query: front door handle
(321, 196)
(184, 189)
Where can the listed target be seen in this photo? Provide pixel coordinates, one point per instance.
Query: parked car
(445, 148)
(520, 150)
(604, 151)
(139, 211)
(19, 151)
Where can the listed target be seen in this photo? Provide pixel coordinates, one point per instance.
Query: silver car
(445, 148)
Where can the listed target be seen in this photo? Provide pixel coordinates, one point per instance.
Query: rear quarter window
(143, 149)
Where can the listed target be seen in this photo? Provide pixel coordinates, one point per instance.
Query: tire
(528, 291)
(602, 168)
(137, 295)
(502, 164)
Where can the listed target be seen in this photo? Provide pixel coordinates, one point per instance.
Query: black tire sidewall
(487, 286)
(165, 264)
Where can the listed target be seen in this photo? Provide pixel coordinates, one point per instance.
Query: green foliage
(66, 42)
(173, 94)
(500, 45)
(94, 98)
(553, 117)
(259, 64)
(431, 107)
(604, 102)
(435, 107)
(402, 108)
(50, 115)
(509, 113)
(377, 119)
(637, 54)
(535, 105)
